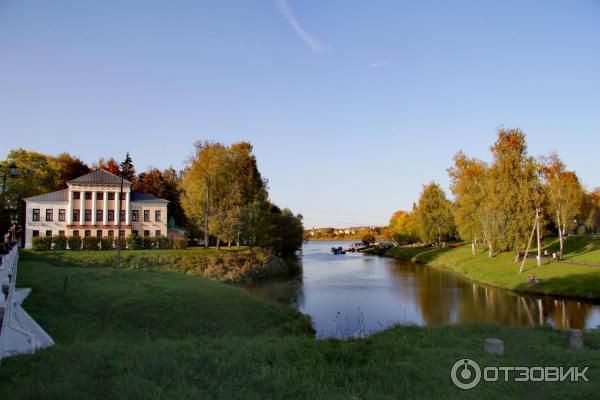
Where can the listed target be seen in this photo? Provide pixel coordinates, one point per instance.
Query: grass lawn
(133, 334)
(556, 278)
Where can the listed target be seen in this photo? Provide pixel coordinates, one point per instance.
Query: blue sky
(351, 105)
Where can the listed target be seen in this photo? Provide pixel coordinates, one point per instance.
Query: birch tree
(564, 194)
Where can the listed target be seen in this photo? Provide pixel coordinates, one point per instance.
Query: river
(355, 295)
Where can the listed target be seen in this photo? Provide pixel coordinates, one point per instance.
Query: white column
(94, 207)
(127, 209)
(70, 208)
(117, 203)
(81, 207)
(105, 209)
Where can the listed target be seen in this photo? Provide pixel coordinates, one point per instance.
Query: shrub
(106, 243)
(121, 243)
(135, 242)
(59, 242)
(149, 242)
(179, 242)
(41, 243)
(91, 243)
(74, 242)
(163, 242)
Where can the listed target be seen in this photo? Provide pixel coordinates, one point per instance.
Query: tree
(564, 194)
(401, 228)
(110, 165)
(435, 216)
(468, 184)
(66, 168)
(513, 193)
(165, 184)
(127, 169)
(367, 239)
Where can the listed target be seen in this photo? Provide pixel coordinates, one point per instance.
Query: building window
(36, 214)
(135, 216)
(48, 233)
(146, 233)
(100, 196)
(111, 195)
(157, 215)
(88, 215)
(87, 233)
(49, 214)
(146, 215)
(111, 215)
(76, 195)
(99, 233)
(134, 233)
(111, 233)
(122, 215)
(157, 233)
(75, 215)
(35, 233)
(75, 233)
(61, 214)
(88, 195)
(98, 216)
(123, 196)
(122, 233)
(61, 233)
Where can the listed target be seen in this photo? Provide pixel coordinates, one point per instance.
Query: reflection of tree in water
(433, 297)
(281, 290)
(485, 304)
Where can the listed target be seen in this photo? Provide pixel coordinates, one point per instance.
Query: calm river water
(353, 295)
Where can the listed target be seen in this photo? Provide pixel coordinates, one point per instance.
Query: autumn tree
(435, 216)
(468, 184)
(165, 184)
(513, 192)
(111, 165)
(564, 193)
(67, 167)
(402, 228)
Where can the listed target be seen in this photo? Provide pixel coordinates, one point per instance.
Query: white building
(89, 207)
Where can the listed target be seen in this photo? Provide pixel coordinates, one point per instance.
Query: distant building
(89, 207)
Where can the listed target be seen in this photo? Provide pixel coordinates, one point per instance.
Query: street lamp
(9, 172)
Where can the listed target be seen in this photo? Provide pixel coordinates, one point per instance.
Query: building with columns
(90, 205)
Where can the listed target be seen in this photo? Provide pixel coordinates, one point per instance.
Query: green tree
(127, 169)
(435, 216)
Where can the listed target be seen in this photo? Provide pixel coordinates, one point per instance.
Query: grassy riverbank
(556, 278)
(163, 335)
(225, 264)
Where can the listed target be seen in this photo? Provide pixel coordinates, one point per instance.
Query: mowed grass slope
(161, 335)
(556, 278)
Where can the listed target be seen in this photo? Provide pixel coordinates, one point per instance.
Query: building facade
(94, 205)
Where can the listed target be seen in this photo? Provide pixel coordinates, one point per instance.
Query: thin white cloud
(378, 64)
(287, 12)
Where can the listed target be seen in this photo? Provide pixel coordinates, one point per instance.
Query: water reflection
(353, 294)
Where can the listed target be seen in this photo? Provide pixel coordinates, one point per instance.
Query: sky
(351, 105)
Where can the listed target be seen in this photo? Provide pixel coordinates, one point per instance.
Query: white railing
(19, 333)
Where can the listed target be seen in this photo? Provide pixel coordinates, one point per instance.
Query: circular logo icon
(465, 374)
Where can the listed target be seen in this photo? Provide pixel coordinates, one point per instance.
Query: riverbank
(569, 278)
(124, 334)
(225, 264)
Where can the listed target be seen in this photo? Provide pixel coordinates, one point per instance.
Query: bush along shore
(567, 278)
(227, 265)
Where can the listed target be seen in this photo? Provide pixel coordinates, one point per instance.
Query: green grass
(136, 334)
(564, 278)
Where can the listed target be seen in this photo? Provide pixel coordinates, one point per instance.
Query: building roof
(59, 195)
(148, 198)
(99, 176)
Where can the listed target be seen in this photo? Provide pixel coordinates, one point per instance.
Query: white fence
(19, 333)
